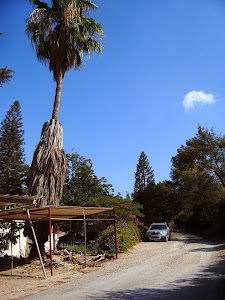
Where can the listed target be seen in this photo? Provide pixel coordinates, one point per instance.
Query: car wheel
(170, 237)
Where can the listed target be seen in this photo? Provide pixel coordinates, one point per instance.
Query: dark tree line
(198, 173)
(194, 199)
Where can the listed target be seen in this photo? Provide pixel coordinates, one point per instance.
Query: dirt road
(185, 268)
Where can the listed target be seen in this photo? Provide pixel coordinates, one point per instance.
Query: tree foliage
(127, 211)
(9, 232)
(63, 32)
(5, 74)
(124, 207)
(194, 198)
(84, 188)
(82, 183)
(127, 236)
(160, 202)
(61, 35)
(13, 170)
(144, 175)
(198, 175)
(206, 151)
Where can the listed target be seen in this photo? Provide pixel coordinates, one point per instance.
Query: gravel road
(187, 267)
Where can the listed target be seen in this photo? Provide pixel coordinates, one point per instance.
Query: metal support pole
(11, 251)
(85, 240)
(54, 242)
(35, 239)
(50, 238)
(116, 246)
(20, 243)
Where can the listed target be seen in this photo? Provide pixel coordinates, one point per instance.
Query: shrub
(127, 236)
(74, 248)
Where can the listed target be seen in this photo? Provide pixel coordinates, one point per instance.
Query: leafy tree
(127, 212)
(13, 170)
(83, 188)
(160, 202)
(5, 74)
(61, 35)
(125, 208)
(206, 151)
(9, 232)
(198, 174)
(82, 183)
(144, 175)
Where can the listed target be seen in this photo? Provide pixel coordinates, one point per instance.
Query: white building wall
(21, 248)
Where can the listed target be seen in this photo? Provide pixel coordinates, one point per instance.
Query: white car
(159, 232)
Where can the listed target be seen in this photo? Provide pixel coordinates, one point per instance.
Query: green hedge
(127, 236)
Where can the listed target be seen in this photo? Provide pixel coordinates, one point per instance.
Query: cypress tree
(144, 174)
(12, 160)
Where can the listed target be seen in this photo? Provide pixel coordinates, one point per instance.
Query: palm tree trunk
(49, 166)
(47, 174)
(57, 97)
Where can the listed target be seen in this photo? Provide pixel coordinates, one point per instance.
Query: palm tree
(5, 74)
(61, 35)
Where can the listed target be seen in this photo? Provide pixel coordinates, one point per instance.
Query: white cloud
(197, 97)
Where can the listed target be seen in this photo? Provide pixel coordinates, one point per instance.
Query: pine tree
(12, 160)
(144, 174)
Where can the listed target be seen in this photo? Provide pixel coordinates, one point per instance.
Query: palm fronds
(63, 33)
(5, 75)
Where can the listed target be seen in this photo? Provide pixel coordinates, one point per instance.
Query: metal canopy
(6, 200)
(57, 212)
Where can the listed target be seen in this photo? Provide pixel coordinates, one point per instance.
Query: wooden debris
(79, 259)
(109, 256)
(76, 261)
(65, 252)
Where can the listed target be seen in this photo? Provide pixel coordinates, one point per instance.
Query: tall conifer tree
(144, 174)
(12, 161)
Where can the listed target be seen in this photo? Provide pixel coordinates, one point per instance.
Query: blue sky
(161, 74)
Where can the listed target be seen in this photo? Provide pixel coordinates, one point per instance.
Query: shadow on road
(209, 285)
(213, 249)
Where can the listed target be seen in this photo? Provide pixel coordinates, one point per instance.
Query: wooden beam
(15, 199)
